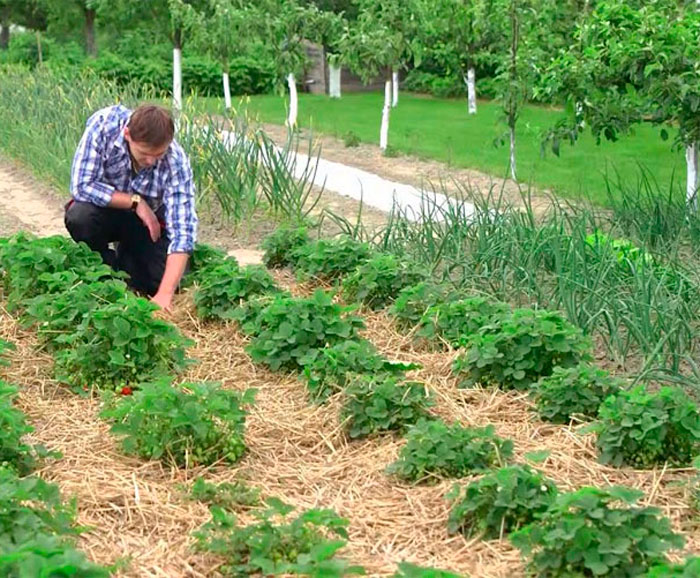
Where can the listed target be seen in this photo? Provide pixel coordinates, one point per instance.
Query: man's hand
(149, 219)
(163, 300)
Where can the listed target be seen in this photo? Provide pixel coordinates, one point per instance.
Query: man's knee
(84, 222)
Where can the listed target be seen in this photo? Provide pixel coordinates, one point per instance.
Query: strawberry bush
(573, 391)
(436, 450)
(328, 260)
(187, 425)
(688, 569)
(642, 429)
(407, 570)
(500, 502)
(518, 349)
(280, 246)
(228, 495)
(203, 256)
(412, 302)
(14, 453)
(596, 532)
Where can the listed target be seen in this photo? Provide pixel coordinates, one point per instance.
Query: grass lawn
(441, 129)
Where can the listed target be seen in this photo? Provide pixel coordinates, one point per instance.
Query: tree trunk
(334, 81)
(513, 96)
(293, 101)
(693, 183)
(177, 70)
(39, 51)
(471, 89)
(384, 131)
(227, 92)
(513, 172)
(90, 44)
(4, 27)
(395, 87)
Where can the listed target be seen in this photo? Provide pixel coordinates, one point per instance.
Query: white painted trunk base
(513, 171)
(177, 79)
(293, 101)
(395, 88)
(471, 90)
(334, 81)
(692, 183)
(384, 131)
(227, 91)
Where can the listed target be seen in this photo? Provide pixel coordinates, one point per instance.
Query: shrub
(329, 259)
(223, 287)
(302, 545)
(377, 281)
(576, 390)
(376, 404)
(596, 532)
(281, 245)
(412, 302)
(188, 425)
(642, 429)
(436, 450)
(118, 344)
(351, 139)
(13, 426)
(454, 322)
(288, 330)
(689, 569)
(501, 502)
(518, 349)
(328, 370)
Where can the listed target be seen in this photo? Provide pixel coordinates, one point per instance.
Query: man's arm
(87, 171)
(175, 266)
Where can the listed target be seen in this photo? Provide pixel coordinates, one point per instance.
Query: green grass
(441, 129)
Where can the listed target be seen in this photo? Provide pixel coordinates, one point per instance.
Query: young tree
(68, 15)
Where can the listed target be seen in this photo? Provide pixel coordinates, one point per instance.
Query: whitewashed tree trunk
(692, 184)
(227, 91)
(471, 90)
(334, 81)
(395, 87)
(293, 101)
(384, 132)
(177, 79)
(512, 154)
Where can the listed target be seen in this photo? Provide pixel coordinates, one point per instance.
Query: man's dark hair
(152, 125)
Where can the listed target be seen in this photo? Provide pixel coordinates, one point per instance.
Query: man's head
(149, 133)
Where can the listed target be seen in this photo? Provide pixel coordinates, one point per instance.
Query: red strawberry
(126, 390)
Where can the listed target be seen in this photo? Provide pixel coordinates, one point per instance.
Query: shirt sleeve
(180, 216)
(87, 170)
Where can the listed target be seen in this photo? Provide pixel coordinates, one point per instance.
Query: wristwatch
(135, 200)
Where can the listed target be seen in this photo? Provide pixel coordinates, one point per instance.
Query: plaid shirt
(102, 165)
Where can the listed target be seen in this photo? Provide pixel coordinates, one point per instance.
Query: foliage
(328, 370)
(412, 302)
(377, 281)
(289, 329)
(689, 569)
(597, 532)
(407, 570)
(436, 450)
(329, 259)
(501, 502)
(375, 404)
(302, 545)
(281, 245)
(577, 390)
(225, 495)
(187, 425)
(640, 428)
(203, 257)
(351, 140)
(516, 350)
(14, 453)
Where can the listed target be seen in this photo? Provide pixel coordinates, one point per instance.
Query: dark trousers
(135, 254)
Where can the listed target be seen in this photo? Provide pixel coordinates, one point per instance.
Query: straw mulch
(297, 452)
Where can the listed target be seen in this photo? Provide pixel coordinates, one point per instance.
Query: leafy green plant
(626, 252)
(5, 346)
(454, 322)
(688, 569)
(501, 502)
(642, 429)
(351, 139)
(381, 403)
(437, 450)
(203, 257)
(329, 259)
(300, 545)
(577, 390)
(517, 349)
(281, 245)
(596, 532)
(223, 287)
(13, 426)
(120, 344)
(412, 302)
(377, 281)
(407, 570)
(187, 425)
(225, 495)
(289, 329)
(328, 370)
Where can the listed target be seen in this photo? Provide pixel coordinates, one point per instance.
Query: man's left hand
(163, 300)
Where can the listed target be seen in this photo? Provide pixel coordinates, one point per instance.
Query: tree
(68, 15)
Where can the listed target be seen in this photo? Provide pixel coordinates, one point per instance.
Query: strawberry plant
(203, 256)
(119, 344)
(328, 370)
(246, 314)
(277, 543)
(642, 429)
(500, 502)
(224, 286)
(288, 330)
(407, 570)
(5, 346)
(689, 569)
(281, 245)
(329, 259)
(437, 450)
(412, 302)
(453, 322)
(596, 532)
(381, 403)
(576, 390)
(225, 495)
(187, 425)
(13, 426)
(517, 349)
(377, 281)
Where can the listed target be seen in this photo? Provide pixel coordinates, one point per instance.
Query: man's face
(144, 154)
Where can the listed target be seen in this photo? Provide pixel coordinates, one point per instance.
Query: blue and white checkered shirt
(102, 165)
